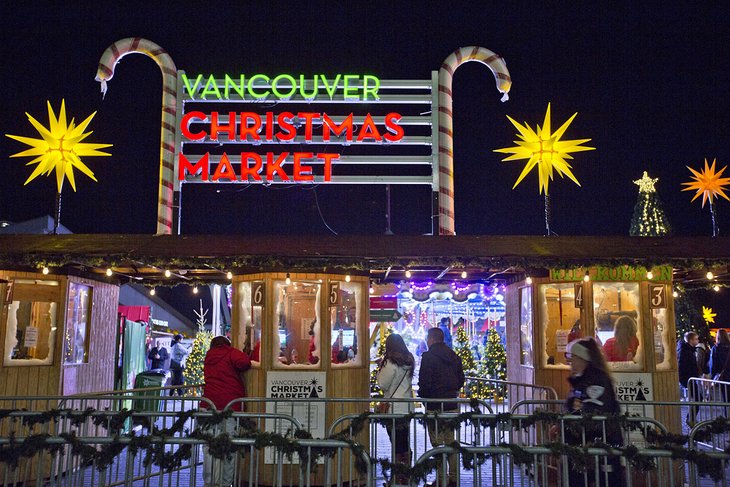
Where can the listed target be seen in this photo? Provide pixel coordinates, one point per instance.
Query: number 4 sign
(657, 296)
(578, 295)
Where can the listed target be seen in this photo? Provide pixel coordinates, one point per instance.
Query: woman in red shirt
(623, 345)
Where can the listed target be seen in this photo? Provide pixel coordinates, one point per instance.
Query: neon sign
(282, 87)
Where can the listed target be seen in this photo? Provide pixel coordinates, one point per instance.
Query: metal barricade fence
(500, 394)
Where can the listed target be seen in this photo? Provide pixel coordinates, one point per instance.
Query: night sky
(650, 83)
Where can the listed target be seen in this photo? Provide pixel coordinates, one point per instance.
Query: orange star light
(707, 183)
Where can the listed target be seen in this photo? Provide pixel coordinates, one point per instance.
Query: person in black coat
(687, 365)
(158, 356)
(719, 366)
(592, 392)
(441, 376)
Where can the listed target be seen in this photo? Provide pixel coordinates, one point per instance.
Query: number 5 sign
(334, 294)
(657, 296)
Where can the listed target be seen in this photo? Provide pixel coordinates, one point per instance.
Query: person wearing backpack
(177, 364)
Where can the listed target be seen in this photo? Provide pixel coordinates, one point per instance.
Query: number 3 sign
(657, 296)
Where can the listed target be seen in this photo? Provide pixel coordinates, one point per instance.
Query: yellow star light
(545, 150)
(646, 184)
(708, 183)
(708, 315)
(60, 147)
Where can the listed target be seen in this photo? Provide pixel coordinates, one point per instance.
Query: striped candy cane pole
(105, 72)
(446, 140)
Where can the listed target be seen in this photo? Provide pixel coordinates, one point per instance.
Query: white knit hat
(577, 349)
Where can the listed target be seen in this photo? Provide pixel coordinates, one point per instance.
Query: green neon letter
(348, 90)
(330, 89)
(284, 95)
(211, 88)
(192, 91)
(374, 90)
(251, 86)
(229, 83)
(313, 94)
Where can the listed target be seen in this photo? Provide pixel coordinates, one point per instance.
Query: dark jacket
(223, 382)
(718, 360)
(441, 376)
(595, 391)
(158, 357)
(687, 362)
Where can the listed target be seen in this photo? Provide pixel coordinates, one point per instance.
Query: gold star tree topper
(708, 315)
(646, 184)
(59, 148)
(707, 183)
(545, 150)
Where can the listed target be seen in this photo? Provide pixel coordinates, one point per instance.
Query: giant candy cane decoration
(105, 72)
(446, 141)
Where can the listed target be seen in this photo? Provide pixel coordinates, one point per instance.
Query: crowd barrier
(95, 440)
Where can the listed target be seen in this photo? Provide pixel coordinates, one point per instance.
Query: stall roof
(144, 258)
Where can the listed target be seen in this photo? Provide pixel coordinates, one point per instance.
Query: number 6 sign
(657, 296)
(258, 293)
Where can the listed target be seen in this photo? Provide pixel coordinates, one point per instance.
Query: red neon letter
(216, 128)
(224, 170)
(247, 170)
(269, 126)
(337, 129)
(327, 157)
(245, 129)
(299, 174)
(369, 130)
(274, 166)
(308, 117)
(395, 131)
(284, 121)
(185, 166)
(185, 125)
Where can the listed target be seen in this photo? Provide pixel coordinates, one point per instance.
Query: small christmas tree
(194, 364)
(464, 351)
(649, 219)
(493, 365)
(375, 390)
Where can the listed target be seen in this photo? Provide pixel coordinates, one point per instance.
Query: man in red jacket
(223, 383)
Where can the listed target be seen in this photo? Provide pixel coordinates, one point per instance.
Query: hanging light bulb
(675, 294)
(168, 273)
(587, 277)
(710, 275)
(288, 279)
(716, 288)
(408, 274)
(195, 289)
(152, 292)
(109, 271)
(528, 281)
(650, 275)
(347, 278)
(463, 274)
(45, 270)
(372, 289)
(229, 275)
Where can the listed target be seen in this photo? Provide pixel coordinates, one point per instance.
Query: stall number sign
(303, 385)
(258, 293)
(579, 295)
(657, 296)
(334, 299)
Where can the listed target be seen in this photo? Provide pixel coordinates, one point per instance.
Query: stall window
(78, 314)
(662, 354)
(297, 339)
(30, 329)
(616, 308)
(526, 326)
(344, 299)
(560, 322)
(250, 314)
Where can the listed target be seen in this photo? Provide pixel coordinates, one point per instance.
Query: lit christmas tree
(493, 365)
(194, 363)
(463, 350)
(649, 219)
(375, 390)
